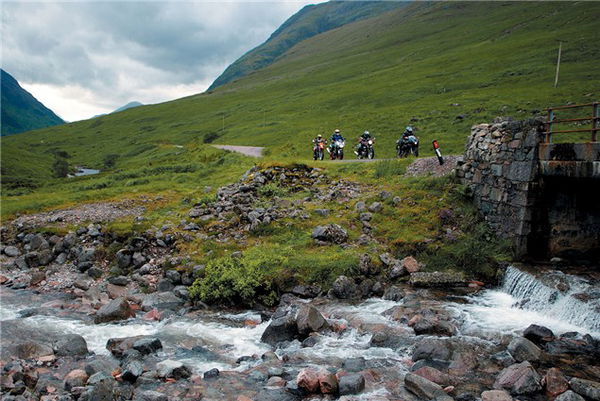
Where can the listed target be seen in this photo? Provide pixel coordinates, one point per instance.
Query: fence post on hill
(560, 42)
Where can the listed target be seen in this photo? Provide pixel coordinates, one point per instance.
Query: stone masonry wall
(500, 167)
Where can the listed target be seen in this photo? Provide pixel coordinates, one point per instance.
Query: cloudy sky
(83, 58)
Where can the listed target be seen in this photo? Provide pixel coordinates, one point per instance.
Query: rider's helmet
(319, 136)
(366, 133)
(409, 129)
(337, 131)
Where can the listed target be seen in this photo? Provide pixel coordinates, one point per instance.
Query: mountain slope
(441, 67)
(21, 111)
(129, 105)
(308, 22)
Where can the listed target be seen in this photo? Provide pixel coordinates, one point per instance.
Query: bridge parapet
(543, 196)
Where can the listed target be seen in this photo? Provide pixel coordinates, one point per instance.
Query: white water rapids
(524, 299)
(222, 338)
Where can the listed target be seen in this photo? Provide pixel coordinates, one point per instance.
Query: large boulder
(522, 349)
(431, 348)
(283, 326)
(161, 300)
(330, 233)
(555, 383)
(422, 388)
(520, 378)
(117, 309)
(33, 350)
(351, 384)
(393, 293)
(309, 320)
(344, 288)
(569, 396)
(70, 345)
(147, 345)
(173, 370)
(538, 334)
(308, 380)
(437, 279)
(586, 388)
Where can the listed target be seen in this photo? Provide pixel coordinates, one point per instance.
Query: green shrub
(60, 168)
(250, 279)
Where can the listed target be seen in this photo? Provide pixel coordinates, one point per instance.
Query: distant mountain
(129, 105)
(308, 22)
(21, 111)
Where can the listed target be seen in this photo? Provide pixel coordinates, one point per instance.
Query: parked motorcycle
(337, 149)
(318, 150)
(366, 149)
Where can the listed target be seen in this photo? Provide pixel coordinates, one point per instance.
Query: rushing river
(216, 340)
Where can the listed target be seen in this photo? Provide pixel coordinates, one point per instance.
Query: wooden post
(595, 121)
(558, 63)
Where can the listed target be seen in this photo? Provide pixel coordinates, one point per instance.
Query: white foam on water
(242, 341)
(96, 335)
(500, 311)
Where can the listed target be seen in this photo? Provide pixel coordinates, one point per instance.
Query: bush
(60, 168)
(250, 279)
(110, 160)
(210, 137)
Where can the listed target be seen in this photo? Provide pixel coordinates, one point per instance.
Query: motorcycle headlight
(370, 142)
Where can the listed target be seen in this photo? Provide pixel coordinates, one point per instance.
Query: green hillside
(20, 110)
(441, 67)
(308, 22)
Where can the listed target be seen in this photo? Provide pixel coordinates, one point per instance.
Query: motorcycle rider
(409, 141)
(319, 139)
(336, 136)
(362, 140)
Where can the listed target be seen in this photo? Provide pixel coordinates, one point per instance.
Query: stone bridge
(545, 197)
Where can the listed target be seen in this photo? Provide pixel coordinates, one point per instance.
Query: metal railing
(594, 119)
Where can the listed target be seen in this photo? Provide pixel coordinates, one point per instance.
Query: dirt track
(252, 151)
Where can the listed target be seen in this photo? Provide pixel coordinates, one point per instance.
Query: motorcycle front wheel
(372, 154)
(341, 155)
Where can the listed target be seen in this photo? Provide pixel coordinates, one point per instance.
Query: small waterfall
(555, 294)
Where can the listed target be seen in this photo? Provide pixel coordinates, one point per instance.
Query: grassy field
(440, 67)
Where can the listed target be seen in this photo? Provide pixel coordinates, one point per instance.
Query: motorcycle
(366, 149)
(337, 149)
(318, 150)
(406, 148)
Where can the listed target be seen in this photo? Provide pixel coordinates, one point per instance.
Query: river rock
(586, 388)
(150, 395)
(410, 264)
(375, 207)
(161, 300)
(123, 257)
(431, 348)
(434, 375)
(308, 380)
(172, 369)
(328, 382)
(495, 395)
(306, 291)
(351, 384)
(344, 288)
(132, 370)
(164, 285)
(569, 396)
(37, 242)
(86, 255)
(33, 350)
(147, 345)
(283, 326)
(422, 388)
(393, 293)
(121, 281)
(437, 279)
(309, 320)
(212, 373)
(538, 334)
(354, 364)
(118, 346)
(524, 350)
(555, 383)
(117, 309)
(75, 378)
(330, 233)
(12, 251)
(520, 378)
(70, 345)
